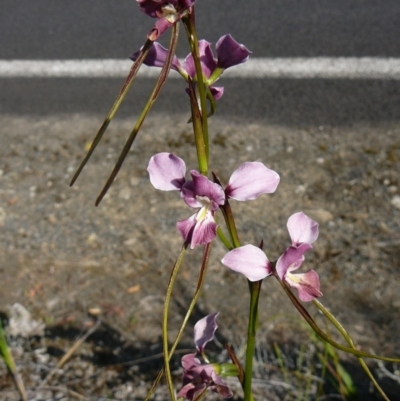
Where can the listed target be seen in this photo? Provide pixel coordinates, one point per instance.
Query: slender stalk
(198, 131)
(200, 282)
(230, 223)
(223, 239)
(349, 340)
(251, 337)
(323, 335)
(189, 23)
(166, 352)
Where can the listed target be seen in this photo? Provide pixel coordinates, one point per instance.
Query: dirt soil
(70, 263)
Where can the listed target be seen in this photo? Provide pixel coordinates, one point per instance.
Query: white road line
(292, 68)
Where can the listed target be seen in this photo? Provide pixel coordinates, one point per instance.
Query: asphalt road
(49, 29)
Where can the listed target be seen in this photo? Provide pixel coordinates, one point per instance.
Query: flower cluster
(229, 54)
(198, 377)
(254, 264)
(167, 173)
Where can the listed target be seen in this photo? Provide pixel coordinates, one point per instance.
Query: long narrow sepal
(323, 335)
(121, 96)
(349, 340)
(153, 97)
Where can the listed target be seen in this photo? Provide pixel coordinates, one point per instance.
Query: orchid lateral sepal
(153, 97)
(121, 96)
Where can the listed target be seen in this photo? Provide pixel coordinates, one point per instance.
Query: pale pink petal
(204, 330)
(307, 285)
(250, 180)
(302, 229)
(167, 172)
(204, 231)
(291, 259)
(189, 361)
(250, 261)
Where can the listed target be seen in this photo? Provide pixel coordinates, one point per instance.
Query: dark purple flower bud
(161, 8)
(230, 52)
(156, 57)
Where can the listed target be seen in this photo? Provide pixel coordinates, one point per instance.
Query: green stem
(251, 337)
(349, 340)
(323, 335)
(198, 131)
(230, 223)
(224, 240)
(200, 282)
(166, 352)
(189, 23)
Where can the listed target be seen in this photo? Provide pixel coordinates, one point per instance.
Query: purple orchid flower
(229, 54)
(198, 377)
(167, 173)
(168, 12)
(254, 264)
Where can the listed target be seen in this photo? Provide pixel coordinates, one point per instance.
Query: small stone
(2, 216)
(125, 193)
(395, 201)
(319, 215)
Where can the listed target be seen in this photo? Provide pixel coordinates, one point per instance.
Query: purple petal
(207, 61)
(190, 391)
(220, 387)
(204, 330)
(186, 227)
(198, 232)
(302, 229)
(156, 57)
(189, 196)
(250, 261)
(160, 27)
(204, 231)
(250, 180)
(217, 91)
(203, 187)
(291, 259)
(167, 172)
(307, 285)
(230, 52)
(154, 8)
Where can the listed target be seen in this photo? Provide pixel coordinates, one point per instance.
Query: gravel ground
(67, 261)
